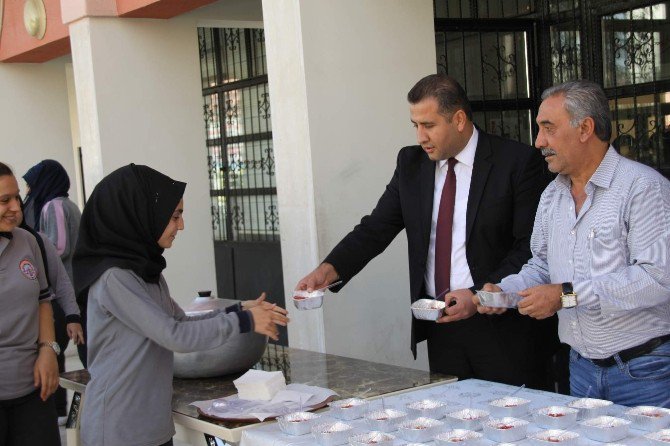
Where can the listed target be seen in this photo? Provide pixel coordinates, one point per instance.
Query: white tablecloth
(459, 395)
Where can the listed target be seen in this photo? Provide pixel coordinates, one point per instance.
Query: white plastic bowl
(428, 309)
(605, 428)
(304, 300)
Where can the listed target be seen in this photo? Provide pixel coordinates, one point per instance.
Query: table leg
(73, 421)
(73, 415)
(213, 441)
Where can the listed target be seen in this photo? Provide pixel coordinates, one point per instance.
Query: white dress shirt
(460, 271)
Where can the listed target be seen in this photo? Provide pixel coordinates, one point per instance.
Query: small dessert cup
(605, 428)
(332, 434)
(590, 407)
(427, 408)
(297, 423)
(469, 419)
(649, 418)
(509, 406)
(498, 299)
(419, 430)
(374, 437)
(659, 438)
(428, 309)
(349, 409)
(304, 300)
(554, 437)
(386, 420)
(505, 430)
(556, 417)
(461, 437)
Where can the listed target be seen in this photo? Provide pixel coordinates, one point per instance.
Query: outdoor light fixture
(35, 18)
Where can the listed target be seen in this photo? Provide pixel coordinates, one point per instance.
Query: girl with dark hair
(133, 324)
(48, 210)
(29, 372)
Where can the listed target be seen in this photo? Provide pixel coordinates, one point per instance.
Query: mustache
(547, 151)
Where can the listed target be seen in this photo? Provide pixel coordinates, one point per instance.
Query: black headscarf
(122, 221)
(47, 180)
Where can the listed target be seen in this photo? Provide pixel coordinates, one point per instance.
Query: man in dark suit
(467, 201)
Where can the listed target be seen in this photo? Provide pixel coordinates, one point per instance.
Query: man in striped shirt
(601, 254)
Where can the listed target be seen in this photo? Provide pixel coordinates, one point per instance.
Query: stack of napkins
(259, 385)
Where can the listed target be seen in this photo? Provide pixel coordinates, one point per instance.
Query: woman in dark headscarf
(133, 324)
(48, 210)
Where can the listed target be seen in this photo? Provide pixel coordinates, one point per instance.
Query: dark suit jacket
(507, 180)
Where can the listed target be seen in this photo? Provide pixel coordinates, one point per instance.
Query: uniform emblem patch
(28, 269)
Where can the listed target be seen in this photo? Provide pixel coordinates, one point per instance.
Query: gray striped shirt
(616, 252)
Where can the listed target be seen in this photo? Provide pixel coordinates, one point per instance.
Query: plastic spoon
(329, 286)
(523, 386)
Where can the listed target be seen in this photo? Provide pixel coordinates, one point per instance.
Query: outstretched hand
(321, 277)
(266, 316)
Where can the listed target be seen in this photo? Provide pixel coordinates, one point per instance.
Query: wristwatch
(53, 345)
(568, 297)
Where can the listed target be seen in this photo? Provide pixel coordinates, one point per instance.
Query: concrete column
(339, 73)
(139, 100)
(34, 117)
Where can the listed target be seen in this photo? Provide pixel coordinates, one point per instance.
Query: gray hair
(585, 99)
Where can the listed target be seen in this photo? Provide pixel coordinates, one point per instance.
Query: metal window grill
(505, 52)
(239, 134)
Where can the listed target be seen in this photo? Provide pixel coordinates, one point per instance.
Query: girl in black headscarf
(48, 210)
(133, 324)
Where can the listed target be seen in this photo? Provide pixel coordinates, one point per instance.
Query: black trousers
(60, 397)
(169, 443)
(29, 421)
(509, 349)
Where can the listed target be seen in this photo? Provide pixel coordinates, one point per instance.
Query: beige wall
(34, 117)
(339, 73)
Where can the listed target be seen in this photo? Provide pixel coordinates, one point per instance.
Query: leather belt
(633, 352)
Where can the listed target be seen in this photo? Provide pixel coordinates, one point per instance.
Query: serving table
(346, 376)
(459, 395)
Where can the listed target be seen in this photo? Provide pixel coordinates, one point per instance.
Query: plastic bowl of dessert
(590, 407)
(498, 299)
(385, 420)
(556, 417)
(505, 430)
(427, 408)
(649, 418)
(462, 437)
(420, 429)
(374, 437)
(509, 406)
(332, 434)
(658, 438)
(304, 300)
(348, 409)
(428, 309)
(557, 437)
(469, 419)
(605, 428)
(297, 423)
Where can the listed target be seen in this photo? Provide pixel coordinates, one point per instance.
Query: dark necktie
(7, 235)
(445, 223)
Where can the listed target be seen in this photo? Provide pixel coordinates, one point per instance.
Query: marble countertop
(346, 376)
